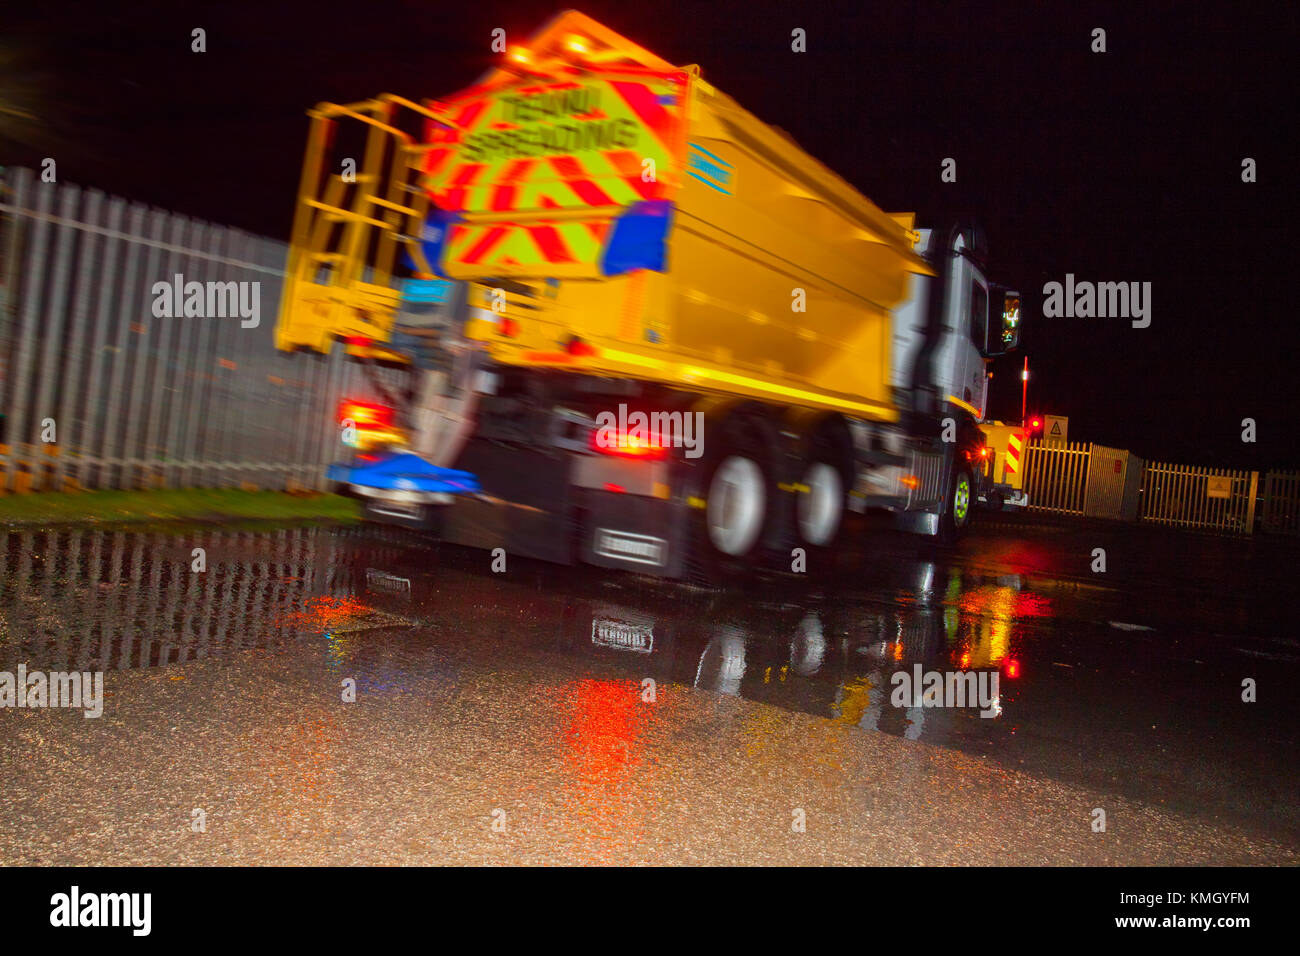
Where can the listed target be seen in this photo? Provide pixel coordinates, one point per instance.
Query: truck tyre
(739, 496)
(820, 510)
(957, 507)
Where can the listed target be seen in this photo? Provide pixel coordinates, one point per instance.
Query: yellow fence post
(1250, 503)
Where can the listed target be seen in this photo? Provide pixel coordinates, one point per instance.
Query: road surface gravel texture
(570, 715)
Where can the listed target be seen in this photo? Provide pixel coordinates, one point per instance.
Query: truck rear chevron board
(592, 145)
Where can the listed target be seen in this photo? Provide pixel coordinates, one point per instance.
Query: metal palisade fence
(1056, 477)
(1190, 496)
(136, 350)
(1090, 480)
(1281, 511)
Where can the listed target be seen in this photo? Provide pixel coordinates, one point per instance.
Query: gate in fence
(1056, 477)
(113, 380)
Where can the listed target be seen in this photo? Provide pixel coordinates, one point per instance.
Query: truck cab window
(979, 315)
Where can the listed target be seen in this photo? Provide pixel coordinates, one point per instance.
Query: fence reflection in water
(113, 600)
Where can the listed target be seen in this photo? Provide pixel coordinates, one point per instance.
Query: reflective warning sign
(1056, 429)
(1218, 486)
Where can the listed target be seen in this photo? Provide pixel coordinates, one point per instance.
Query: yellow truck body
(540, 185)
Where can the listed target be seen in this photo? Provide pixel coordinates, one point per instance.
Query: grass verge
(107, 507)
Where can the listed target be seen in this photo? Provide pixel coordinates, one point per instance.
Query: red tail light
(627, 445)
(365, 415)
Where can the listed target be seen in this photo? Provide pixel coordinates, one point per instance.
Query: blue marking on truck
(405, 471)
(426, 291)
(713, 171)
(711, 155)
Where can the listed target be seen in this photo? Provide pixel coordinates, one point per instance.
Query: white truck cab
(971, 331)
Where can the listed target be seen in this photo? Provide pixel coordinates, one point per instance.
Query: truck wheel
(727, 532)
(957, 509)
(736, 506)
(821, 505)
(820, 509)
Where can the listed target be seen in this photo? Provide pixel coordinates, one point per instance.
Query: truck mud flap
(525, 505)
(634, 533)
(925, 523)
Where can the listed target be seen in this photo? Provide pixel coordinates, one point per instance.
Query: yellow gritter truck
(669, 340)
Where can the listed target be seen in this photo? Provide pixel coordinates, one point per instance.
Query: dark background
(1122, 166)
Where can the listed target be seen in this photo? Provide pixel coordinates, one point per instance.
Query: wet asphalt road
(504, 717)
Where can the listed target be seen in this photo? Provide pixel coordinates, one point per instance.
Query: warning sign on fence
(1056, 429)
(1218, 486)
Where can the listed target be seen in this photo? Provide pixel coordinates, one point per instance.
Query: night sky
(1122, 166)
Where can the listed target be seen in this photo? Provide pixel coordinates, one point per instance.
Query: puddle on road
(407, 618)
(89, 599)
(112, 600)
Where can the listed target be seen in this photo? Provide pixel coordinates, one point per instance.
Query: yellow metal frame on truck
(778, 278)
(1006, 444)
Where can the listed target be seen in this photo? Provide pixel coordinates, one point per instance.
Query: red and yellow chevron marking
(565, 144)
(1014, 443)
(474, 248)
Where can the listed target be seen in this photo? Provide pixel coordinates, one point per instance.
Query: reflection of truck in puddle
(828, 659)
(832, 661)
